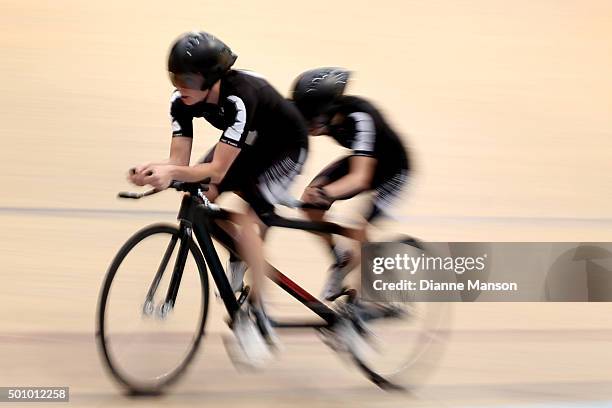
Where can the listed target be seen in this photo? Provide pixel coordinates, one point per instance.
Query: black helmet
(201, 54)
(316, 90)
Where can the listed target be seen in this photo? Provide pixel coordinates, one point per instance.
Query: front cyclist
(378, 162)
(263, 145)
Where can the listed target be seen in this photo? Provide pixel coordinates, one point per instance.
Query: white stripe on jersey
(175, 95)
(235, 131)
(176, 127)
(364, 139)
(274, 184)
(388, 193)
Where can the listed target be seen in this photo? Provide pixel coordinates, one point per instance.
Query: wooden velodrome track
(507, 107)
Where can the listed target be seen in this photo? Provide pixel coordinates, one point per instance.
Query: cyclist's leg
(387, 189)
(270, 186)
(232, 182)
(254, 343)
(262, 186)
(259, 184)
(344, 258)
(235, 267)
(214, 190)
(250, 248)
(262, 191)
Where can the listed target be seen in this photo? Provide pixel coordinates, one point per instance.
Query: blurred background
(507, 110)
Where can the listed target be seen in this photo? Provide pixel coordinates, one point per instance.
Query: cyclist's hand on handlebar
(159, 176)
(315, 197)
(136, 175)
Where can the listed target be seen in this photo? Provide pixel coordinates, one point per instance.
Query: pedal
(344, 292)
(244, 295)
(244, 292)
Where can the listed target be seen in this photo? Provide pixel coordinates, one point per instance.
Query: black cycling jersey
(251, 113)
(256, 118)
(364, 130)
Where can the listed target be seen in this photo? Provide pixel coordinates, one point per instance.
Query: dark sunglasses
(188, 81)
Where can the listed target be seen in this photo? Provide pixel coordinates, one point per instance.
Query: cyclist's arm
(241, 109)
(223, 158)
(182, 133)
(359, 178)
(362, 164)
(180, 151)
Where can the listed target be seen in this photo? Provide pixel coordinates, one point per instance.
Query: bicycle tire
(394, 381)
(174, 375)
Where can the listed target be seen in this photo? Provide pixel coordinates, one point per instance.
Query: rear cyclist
(378, 163)
(263, 145)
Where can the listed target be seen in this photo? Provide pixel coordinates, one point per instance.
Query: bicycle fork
(177, 274)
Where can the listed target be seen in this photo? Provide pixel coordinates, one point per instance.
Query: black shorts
(387, 184)
(262, 184)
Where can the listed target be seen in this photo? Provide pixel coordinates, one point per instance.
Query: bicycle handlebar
(177, 185)
(136, 196)
(203, 186)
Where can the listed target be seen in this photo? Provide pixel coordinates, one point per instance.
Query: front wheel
(148, 330)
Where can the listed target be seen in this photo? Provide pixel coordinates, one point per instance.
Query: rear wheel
(400, 342)
(147, 329)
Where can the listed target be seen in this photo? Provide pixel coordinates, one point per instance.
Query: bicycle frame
(199, 218)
